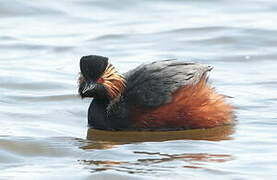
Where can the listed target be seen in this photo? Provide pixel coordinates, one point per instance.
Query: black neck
(97, 114)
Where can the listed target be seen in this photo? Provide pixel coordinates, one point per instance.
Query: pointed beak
(89, 86)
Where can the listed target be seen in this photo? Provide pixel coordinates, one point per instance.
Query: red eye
(100, 80)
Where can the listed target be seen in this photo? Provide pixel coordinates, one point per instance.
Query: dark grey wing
(153, 84)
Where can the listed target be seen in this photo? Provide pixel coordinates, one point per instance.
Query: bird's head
(99, 79)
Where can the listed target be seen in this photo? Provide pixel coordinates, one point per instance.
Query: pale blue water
(43, 132)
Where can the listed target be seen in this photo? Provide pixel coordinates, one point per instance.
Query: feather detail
(113, 81)
(193, 106)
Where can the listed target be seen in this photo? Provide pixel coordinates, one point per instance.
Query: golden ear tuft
(113, 81)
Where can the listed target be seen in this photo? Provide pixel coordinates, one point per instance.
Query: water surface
(43, 127)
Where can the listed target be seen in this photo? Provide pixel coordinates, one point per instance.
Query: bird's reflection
(98, 139)
(188, 157)
(158, 162)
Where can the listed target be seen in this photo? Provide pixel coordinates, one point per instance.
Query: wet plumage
(163, 95)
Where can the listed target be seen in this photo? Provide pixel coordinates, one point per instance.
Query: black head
(92, 68)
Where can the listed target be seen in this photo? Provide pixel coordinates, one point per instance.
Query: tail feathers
(204, 107)
(195, 106)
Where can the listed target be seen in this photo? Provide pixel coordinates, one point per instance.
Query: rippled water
(43, 126)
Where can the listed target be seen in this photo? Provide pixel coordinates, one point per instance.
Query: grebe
(162, 95)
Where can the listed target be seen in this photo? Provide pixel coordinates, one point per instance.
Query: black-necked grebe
(163, 95)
